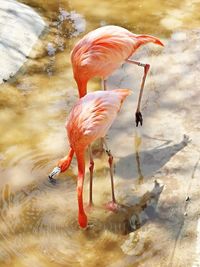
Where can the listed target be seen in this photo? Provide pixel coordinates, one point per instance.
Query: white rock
(20, 27)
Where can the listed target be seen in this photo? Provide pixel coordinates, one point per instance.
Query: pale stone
(20, 27)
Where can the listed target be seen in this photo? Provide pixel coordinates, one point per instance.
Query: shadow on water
(44, 216)
(130, 217)
(34, 196)
(147, 163)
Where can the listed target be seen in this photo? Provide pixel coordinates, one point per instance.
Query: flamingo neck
(82, 218)
(65, 162)
(144, 39)
(82, 88)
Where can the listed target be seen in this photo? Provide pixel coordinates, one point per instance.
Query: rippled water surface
(38, 221)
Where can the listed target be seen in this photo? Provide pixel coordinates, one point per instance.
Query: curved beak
(54, 173)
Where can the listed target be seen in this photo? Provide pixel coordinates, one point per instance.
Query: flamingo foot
(138, 118)
(112, 206)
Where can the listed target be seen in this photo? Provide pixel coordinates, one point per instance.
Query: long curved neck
(65, 162)
(82, 87)
(82, 218)
(144, 39)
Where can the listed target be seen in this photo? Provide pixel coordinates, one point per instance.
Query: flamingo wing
(102, 51)
(93, 115)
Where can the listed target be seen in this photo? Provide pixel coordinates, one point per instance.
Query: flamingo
(90, 119)
(103, 50)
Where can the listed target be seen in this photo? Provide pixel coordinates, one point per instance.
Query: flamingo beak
(54, 173)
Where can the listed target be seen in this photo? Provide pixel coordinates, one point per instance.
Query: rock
(20, 28)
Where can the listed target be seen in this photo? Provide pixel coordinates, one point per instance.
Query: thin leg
(113, 204)
(110, 161)
(82, 217)
(138, 115)
(91, 168)
(104, 84)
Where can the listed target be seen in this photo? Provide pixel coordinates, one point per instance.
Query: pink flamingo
(90, 119)
(102, 51)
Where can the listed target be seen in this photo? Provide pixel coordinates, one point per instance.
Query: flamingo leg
(138, 115)
(104, 84)
(91, 168)
(82, 218)
(102, 140)
(112, 205)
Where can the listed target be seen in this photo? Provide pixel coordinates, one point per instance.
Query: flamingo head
(61, 167)
(54, 173)
(63, 164)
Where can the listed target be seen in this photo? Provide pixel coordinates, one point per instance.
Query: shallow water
(38, 221)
